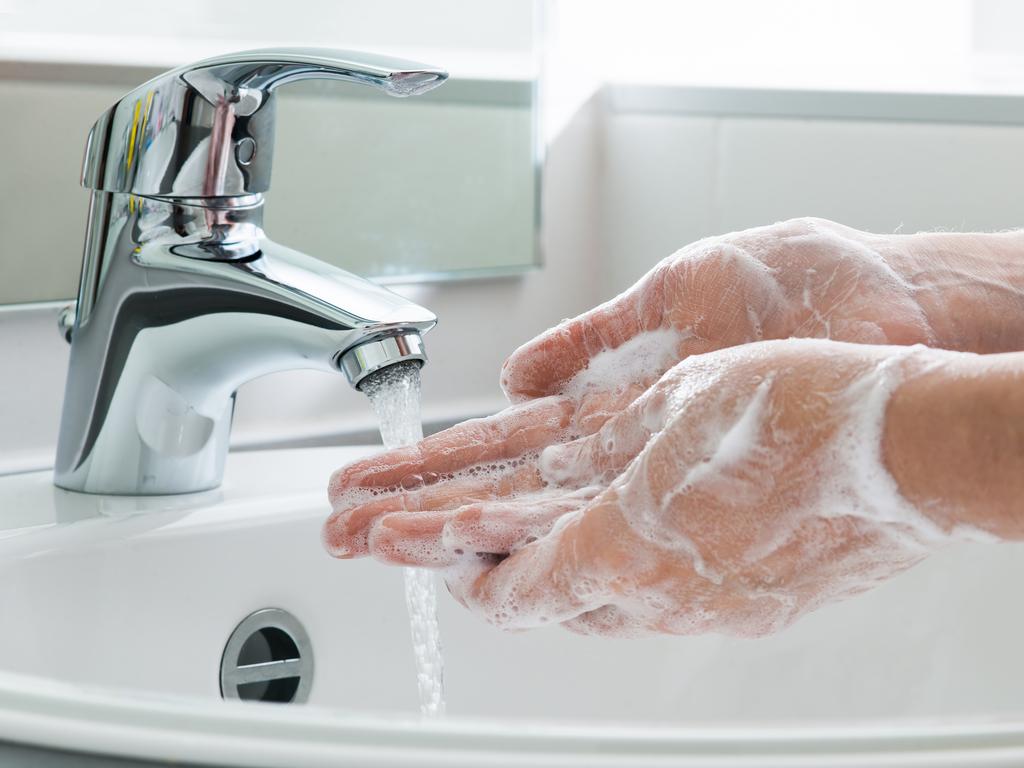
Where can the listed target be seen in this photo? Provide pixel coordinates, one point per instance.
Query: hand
(744, 489)
(799, 278)
(481, 482)
(805, 277)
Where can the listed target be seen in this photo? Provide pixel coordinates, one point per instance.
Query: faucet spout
(365, 359)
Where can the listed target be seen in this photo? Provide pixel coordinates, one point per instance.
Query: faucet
(183, 298)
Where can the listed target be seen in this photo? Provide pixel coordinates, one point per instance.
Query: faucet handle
(207, 129)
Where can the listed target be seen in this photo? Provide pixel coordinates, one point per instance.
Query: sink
(116, 612)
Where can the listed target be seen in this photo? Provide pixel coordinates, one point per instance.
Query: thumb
(546, 364)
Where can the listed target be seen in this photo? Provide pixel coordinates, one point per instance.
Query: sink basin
(116, 611)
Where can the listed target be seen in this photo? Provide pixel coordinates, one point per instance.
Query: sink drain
(267, 658)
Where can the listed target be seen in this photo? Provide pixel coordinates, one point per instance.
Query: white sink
(115, 613)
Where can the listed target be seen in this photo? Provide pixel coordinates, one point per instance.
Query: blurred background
(577, 143)
(887, 115)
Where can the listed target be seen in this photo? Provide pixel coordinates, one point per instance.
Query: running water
(395, 396)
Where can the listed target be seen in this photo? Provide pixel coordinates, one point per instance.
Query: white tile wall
(659, 190)
(672, 179)
(33, 366)
(42, 206)
(871, 175)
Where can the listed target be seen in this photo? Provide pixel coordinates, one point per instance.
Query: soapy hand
(532, 511)
(742, 490)
(799, 278)
(803, 278)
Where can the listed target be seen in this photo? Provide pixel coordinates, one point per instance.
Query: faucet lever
(206, 130)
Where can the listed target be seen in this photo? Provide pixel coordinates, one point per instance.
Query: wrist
(953, 441)
(969, 286)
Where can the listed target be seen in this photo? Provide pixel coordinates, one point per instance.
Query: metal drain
(267, 658)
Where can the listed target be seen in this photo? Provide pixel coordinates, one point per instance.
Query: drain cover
(267, 658)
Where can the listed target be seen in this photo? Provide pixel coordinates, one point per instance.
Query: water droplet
(412, 482)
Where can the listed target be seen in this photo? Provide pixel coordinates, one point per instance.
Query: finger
(595, 459)
(505, 527)
(572, 570)
(596, 408)
(442, 538)
(544, 365)
(513, 432)
(346, 531)
(537, 585)
(600, 457)
(412, 539)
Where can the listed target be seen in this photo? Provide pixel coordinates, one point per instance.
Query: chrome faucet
(183, 298)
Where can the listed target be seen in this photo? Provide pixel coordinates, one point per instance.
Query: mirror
(440, 186)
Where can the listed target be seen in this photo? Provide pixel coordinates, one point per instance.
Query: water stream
(395, 395)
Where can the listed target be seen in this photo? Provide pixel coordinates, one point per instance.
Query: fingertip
(541, 366)
(349, 478)
(338, 483)
(346, 529)
(337, 540)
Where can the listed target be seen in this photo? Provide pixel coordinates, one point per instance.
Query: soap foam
(871, 492)
(638, 359)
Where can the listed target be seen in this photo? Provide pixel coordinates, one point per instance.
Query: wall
(675, 174)
(100, 30)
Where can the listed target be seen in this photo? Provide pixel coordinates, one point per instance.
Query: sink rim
(53, 714)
